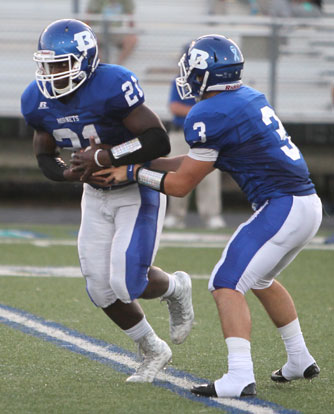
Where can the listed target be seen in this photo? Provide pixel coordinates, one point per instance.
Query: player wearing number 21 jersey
(98, 112)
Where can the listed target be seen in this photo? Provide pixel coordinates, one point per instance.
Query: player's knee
(100, 295)
(131, 285)
(262, 284)
(120, 289)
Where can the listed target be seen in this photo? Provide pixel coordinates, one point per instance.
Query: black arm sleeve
(52, 166)
(154, 144)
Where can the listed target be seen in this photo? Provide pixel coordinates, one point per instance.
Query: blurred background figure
(277, 8)
(289, 8)
(254, 9)
(120, 34)
(301, 8)
(216, 7)
(208, 193)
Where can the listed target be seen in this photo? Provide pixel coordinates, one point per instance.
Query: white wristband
(96, 159)
(151, 178)
(126, 148)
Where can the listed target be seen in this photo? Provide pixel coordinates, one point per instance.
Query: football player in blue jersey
(98, 112)
(232, 127)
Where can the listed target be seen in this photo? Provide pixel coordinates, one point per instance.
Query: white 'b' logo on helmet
(198, 58)
(85, 40)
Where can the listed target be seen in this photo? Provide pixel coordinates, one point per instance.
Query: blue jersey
(252, 144)
(96, 109)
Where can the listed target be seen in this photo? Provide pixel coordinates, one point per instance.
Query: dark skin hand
(44, 143)
(137, 122)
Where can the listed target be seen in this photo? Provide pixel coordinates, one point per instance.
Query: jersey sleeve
(124, 92)
(205, 127)
(203, 154)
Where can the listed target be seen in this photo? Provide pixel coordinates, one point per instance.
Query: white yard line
(51, 271)
(170, 239)
(101, 351)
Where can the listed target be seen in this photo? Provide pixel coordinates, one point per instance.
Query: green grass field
(36, 376)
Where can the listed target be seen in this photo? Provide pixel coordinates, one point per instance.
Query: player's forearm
(175, 187)
(169, 183)
(52, 166)
(153, 143)
(167, 164)
(55, 169)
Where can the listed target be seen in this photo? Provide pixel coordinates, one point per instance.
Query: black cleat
(249, 390)
(311, 372)
(205, 390)
(277, 376)
(208, 390)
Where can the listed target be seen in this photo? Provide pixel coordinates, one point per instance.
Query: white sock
(299, 357)
(171, 286)
(141, 329)
(240, 369)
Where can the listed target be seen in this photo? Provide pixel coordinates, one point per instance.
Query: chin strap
(205, 80)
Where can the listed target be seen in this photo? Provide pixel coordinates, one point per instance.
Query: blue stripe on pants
(141, 248)
(250, 239)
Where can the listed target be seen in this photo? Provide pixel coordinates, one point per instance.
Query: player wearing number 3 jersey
(98, 112)
(232, 127)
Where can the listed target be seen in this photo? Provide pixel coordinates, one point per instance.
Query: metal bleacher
(303, 73)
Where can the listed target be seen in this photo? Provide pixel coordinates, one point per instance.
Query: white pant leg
(118, 240)
(300, 227)
(94, 246)
(261, 247)
(138, 228)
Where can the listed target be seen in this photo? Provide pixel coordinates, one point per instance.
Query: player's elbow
(164, 144)
(180, 193)
(155, 143)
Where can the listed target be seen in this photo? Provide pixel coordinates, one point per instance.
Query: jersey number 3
(290, 148)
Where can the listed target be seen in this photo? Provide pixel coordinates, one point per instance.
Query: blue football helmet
(212, 63)
(68, 43)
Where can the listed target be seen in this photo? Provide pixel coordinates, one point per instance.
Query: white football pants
(264, 245)
(118, 240)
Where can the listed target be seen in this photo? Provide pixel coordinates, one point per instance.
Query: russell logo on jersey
(43, 105)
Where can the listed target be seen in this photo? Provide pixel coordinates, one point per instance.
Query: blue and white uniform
(240, 131)
(121, 227)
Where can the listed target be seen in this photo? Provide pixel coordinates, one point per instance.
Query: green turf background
(37, 377)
